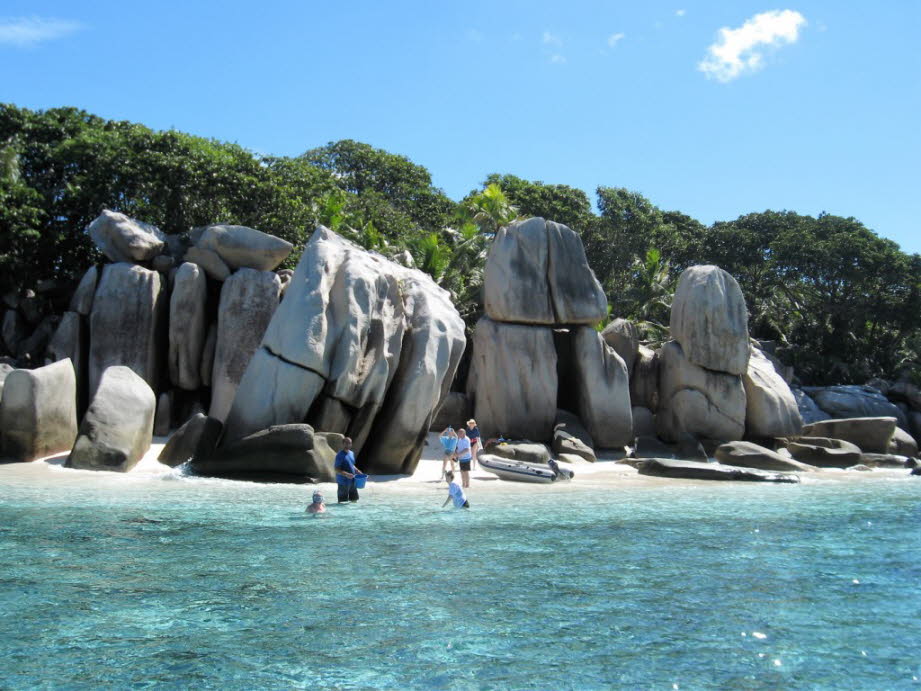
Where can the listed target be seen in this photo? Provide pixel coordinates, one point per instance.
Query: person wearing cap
(317, 506)
(345, 473)
(462, 454)
(473, 433)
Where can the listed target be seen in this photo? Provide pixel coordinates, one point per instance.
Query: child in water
(455, 492)
(317, 506)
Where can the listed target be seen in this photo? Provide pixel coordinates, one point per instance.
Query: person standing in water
(448, 440)
(462, 454)
(456, 493)
(346, 472)
(473, 433)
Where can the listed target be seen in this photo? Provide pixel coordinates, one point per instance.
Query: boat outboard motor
(558, 472)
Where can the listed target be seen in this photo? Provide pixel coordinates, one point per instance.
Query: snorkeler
(317, 506)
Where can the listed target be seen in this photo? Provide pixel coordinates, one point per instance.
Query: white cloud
(552, 40)
(27, 31)
(613, 39)
(558, 59)
(680, 13)
(742, 51)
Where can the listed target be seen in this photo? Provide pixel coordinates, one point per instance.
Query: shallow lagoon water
(169, 581)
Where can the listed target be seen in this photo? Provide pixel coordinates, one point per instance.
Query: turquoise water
(188, 583)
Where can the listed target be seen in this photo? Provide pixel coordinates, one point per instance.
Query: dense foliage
(843, 303)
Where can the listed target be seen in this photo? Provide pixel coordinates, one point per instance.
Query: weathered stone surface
(118, 426)
(32, 349)
(454, 411)
(567, 442)
(902, 443)
(382, 340)
(70, 342)
(770, 408)
(748, 455)
(207, 354)
(516, 380)
(823, 452)
(82, 299)
(914, 424)
(604, 389)
(128, 323)
(690, 449)
(249, 298)
(885, 460)
(808, 409)
(644, 422)
(197, 438)
(644, 382)
(571, 424)
(163, 415)
(14, 331)
(124, 239)
(524, 451)
(710, 320)
(905, 391)
(162, 263)
(242, 247)
(695, 470)
(697, 401)
(871, 434)
(38, 412)
(5, 369)
(653, 447)
(210, 263)
(187, 326)
(622, 336)
(537, 273)
(280, 450)
(854, 402)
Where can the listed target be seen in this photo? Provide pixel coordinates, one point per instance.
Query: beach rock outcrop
(454, 411)
(128, 323)
(242, 247)
(209, 262)
(808, 410)
(118, 426)
(644, 381)
(871, 434)
(81, 301)
(524, 451)
(249, 298)
(516, 380)
(569, 437)
(710, 321)
(697, 401)
(854, 402)
(197, 438)
(537, 273)
(902, 443)
(281, 452)
(187, 326)
(38, 412)
(603, 387)
(124, 239)
(823, 452)
(695, 470)
(748, 455)
(770, 408)
(622, 336)
(360, 341)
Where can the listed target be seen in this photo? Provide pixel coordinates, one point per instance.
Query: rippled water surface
(176, 582)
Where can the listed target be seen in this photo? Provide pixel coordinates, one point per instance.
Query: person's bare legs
(444, 462)
(465, 478)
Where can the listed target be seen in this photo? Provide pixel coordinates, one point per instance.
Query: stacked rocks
(536, 346)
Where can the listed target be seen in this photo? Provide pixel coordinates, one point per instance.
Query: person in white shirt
(463, 455)
(456, 493)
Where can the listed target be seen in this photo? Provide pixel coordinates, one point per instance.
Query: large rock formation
(187, 326)
(698, 401)
(197, 438)
(124, 239)
(249, 298)
(696, 470)
(360, 342)
(537, 273)
(516, 380)
(871, 434)
(771, 409)
(644, 381)
(128, 323)
(82, 299)
(710, 321)
(604, 389)
(118, 426)
(854, 402)
(242, 247)
(623, 337)
(823, 452)
(808, 409)
(748, 455)
(38, 412)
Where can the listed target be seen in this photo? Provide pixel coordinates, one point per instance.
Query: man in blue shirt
(346, 472)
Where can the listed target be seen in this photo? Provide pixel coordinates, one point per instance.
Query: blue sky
(715, 109)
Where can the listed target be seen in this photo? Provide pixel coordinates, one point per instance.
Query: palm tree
(491, 209)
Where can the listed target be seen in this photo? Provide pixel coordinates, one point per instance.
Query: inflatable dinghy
(517, 471)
